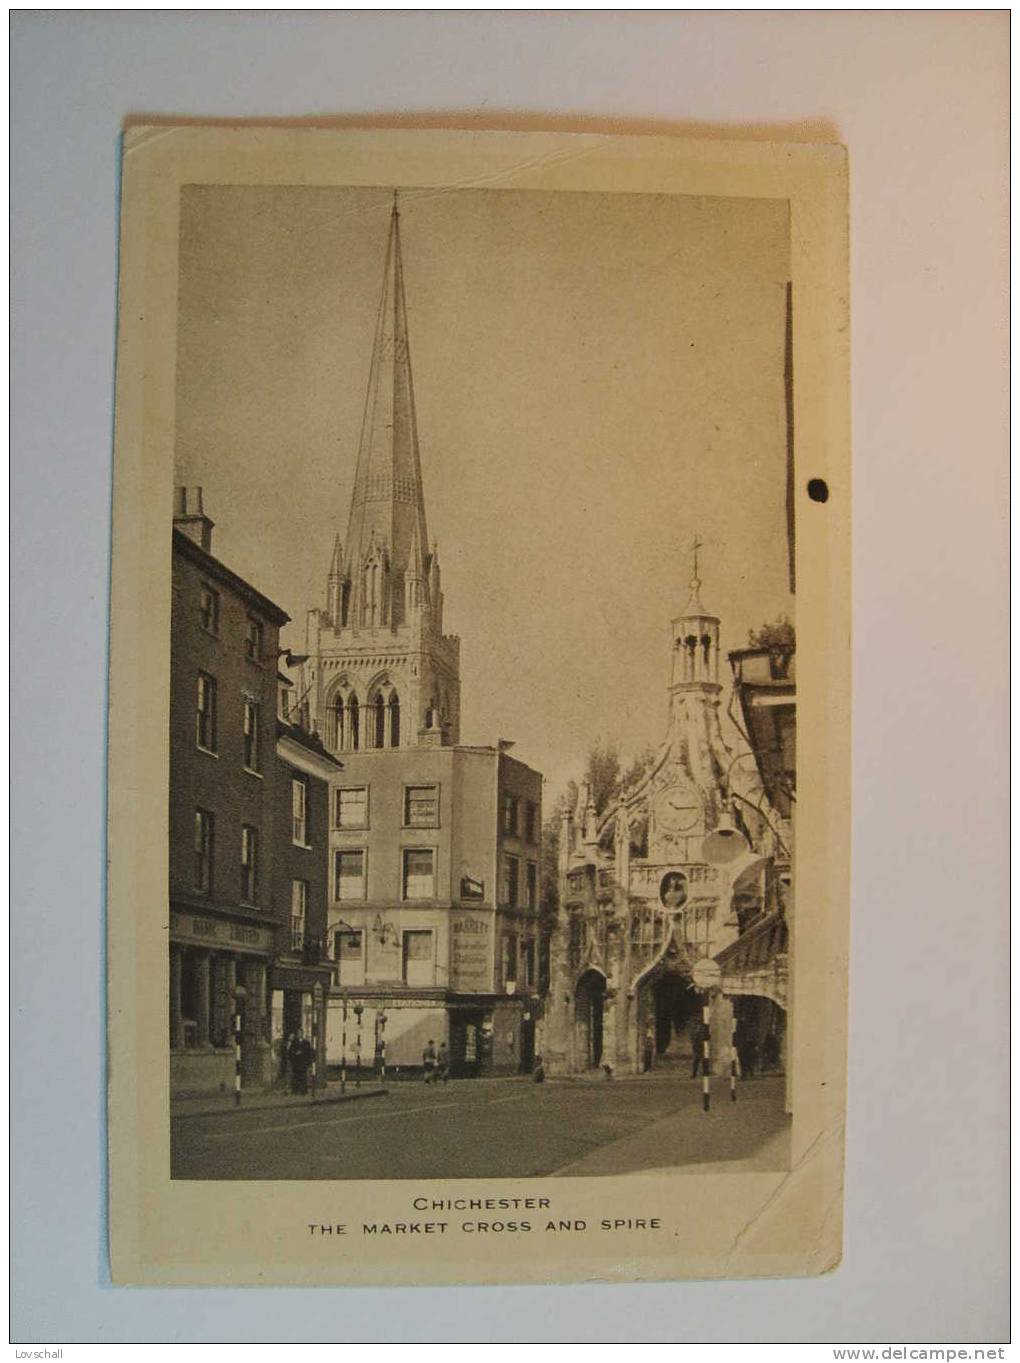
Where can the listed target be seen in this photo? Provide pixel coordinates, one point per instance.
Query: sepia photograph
(483, 684)
(478, 551)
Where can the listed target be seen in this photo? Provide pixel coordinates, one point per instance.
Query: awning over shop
(758, 961)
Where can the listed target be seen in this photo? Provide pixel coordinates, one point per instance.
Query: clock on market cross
(678, 809)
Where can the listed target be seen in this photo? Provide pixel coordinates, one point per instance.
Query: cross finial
(697, 545)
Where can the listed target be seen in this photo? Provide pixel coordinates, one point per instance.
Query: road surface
(493, 1128)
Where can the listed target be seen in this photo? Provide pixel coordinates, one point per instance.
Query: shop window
(350, 875)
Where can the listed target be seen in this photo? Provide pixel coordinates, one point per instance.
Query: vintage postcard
(480, 720)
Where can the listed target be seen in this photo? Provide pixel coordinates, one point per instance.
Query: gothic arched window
(353, 721)
(338, 723)
(379, 721)
(394, 721)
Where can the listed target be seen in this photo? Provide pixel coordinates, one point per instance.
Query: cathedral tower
(380, 671)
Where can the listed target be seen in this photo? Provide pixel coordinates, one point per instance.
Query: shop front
(298, 1012)
(219, 968)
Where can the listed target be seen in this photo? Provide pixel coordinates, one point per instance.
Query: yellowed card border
(733, 1225)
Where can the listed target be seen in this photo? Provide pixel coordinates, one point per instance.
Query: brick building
(240, 876)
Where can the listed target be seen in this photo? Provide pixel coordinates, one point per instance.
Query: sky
(598, 379)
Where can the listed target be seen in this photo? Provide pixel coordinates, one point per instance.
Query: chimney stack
(190, 519)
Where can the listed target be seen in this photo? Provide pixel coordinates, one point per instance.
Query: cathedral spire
(388, 505)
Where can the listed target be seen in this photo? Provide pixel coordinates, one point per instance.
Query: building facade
(677, 871)
(237, 868)
(435, 845)
(758, 964)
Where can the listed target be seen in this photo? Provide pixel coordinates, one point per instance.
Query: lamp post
(316, 1011)
(343, 926)
(240, 994)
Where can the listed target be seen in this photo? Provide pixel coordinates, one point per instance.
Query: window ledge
(208, 751)
(252, 772)
(305, 846)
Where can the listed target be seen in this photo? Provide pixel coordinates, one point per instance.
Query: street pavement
(494, 1128)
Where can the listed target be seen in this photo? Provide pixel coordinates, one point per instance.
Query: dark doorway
(468, 1048)
(527, 1045)
(676, 1009)
(589, 1009)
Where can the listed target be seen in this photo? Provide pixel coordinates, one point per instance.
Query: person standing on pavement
(293, 1061)
(648, 1050)
(298, 1057)
(428, 1061)
(443, 1063)
(307, 1056)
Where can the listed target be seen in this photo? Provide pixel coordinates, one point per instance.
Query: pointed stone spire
(694, 606)
(336, 564)
(388, 506)
(414, 576)
(695, 639)
(335, 584)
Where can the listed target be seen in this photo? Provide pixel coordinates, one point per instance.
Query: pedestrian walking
(443, 1063)
(293, 1054)
(538, 1073)
(428, 1061)
(307, 1056)
(648, 1050)
(747, 1051)
(299, 1055)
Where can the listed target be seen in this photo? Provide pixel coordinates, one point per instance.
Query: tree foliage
(602, 773)
(777, 637)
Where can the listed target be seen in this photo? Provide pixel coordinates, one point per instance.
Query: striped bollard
(343, 1051)
(358, 1010)
(706, 1096)
(237, 1056)
(382, 1048)
(733, 1061)
(315, 1055)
